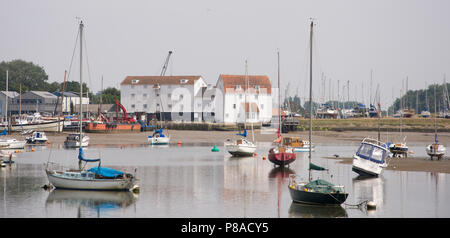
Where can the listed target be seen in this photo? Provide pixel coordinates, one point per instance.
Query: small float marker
(215, 149)
(371, 205)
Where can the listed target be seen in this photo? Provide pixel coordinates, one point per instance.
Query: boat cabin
(293, 141)
(370, 150)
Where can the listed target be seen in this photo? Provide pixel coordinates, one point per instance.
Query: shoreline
(423, 164)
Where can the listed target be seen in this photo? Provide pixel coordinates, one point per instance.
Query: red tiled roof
(230, 82)
(162, 80)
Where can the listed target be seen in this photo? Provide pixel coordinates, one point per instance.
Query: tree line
(33, 77)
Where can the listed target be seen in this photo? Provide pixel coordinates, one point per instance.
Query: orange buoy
(254, 154)
(32, 149)
(264, 157)
(179, 142)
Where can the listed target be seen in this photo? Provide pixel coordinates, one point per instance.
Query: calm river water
(190, 181)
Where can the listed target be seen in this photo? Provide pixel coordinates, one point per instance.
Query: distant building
(71, 100)
(238, 100)
(175, 98)
(34, 101)
(4, 97)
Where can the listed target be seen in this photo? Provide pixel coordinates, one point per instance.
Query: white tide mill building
(174, 98)
(240, 98)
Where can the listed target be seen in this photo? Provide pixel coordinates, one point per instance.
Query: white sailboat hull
(159, 140)
(52, 126)
(89, 184)
(436, 150)
(12, 144)
(244, 149)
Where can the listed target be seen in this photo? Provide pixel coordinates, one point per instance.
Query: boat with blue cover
(158, 138)
(95, 178)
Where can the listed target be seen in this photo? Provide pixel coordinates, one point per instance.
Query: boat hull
(90, 184)
(106, 127)
(436, 150)
(13, 145)
(159, 140)
(303, 149)
(366, 167)
(52, 126)
(316, 198)
(281, 158)
(240, 150)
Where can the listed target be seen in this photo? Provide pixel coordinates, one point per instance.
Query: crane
(163, 71)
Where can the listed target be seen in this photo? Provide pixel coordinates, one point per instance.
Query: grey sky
(394, 38)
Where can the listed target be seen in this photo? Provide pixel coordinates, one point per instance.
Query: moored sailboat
(242, 146)
(317, 192)
(281, 154)
(95, 178)
(435, 149)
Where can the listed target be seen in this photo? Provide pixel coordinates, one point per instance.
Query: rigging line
(87, 61)
(73, 54)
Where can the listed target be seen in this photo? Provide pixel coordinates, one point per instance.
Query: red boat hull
(281, 158)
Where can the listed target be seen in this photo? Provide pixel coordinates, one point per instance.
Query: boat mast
(435, 115)
(279, 97)
(81, 83)
(249, 105)
(7, 98)
(310, 95)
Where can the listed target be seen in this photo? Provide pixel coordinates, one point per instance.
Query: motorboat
(37, 138)
(73, 140)
(370, 158)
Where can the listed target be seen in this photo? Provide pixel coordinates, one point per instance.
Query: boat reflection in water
(281, 172)
(299, 210)
(100, 202)
(369, 189)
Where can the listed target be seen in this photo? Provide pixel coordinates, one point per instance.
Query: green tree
(31, 76)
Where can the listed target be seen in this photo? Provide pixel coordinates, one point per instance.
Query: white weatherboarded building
(175, 98)
(236, 98)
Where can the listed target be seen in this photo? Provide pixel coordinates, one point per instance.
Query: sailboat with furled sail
(319, 191)
(281, 154)
(435, 150)
(242, 146)
(95, 178)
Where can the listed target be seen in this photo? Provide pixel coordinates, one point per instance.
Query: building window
(226, 115)
(157, 94)
(145, 106)
(256, 96)
(238, 87)
(169, 95)
(144, 95)
(240, 96)
(257, 87)
(134, 81)
(170, 106)
(133, 106)
(145, 86)
(132, 96)
(234, 106)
